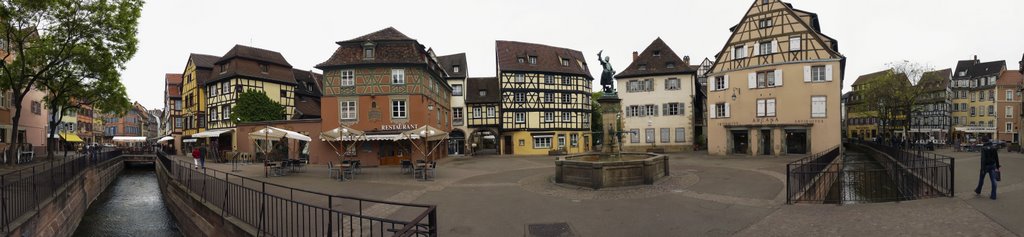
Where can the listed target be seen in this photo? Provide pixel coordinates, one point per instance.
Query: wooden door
(508, 145)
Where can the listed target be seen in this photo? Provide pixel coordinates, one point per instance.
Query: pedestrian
(202, 156)
(195, 156)
(990, 166)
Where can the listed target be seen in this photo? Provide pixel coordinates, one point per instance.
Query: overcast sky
(871, 33)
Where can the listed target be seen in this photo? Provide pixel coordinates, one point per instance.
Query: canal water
(131, 206)
(863, 180)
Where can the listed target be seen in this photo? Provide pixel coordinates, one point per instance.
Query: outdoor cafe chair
(406, 166)
(333, 171)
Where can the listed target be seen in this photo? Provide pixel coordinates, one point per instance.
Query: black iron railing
(809, 179)
(918, 174)
(889, 174)
(23, 191)
(278, 210)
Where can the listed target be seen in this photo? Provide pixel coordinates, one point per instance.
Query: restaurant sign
(397, 127)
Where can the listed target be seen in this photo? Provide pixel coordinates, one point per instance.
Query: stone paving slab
(707, 196)
(931, 217)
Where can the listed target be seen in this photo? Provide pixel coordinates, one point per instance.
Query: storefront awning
(70, 137)
(342, 133)
(164, 139)
(212, 133)
(976, 129)
(432, 134)
(129, 139)
(272, 133)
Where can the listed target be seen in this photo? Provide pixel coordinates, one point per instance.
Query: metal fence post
(433, 221)
(789, 188)
(952, 172)
(35, 194)
(330, 216)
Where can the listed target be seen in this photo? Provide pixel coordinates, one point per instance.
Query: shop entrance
(766, 142)
(740, 141)
(796, 141)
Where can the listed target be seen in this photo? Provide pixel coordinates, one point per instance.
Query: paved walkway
(705, 196)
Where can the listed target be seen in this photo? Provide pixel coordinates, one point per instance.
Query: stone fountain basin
(598, 170)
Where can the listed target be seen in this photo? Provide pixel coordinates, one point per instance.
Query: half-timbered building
(198, 70)
(241, 69)
(385, 83)
(931, 120)
(483, 107)
(659, 90)
(775, 87)
(545, 94)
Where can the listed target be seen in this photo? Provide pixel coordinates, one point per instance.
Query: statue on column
(608, 75)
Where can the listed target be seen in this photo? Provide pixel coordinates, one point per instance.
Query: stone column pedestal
(611, 109)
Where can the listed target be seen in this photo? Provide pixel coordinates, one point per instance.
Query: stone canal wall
(60, 214)
(195, 216)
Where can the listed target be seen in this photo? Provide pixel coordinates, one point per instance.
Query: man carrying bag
(990, 166)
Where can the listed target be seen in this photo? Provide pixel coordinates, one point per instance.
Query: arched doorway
(484, 141)
(457, 142)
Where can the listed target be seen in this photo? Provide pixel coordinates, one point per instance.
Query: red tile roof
(548, 58)
(1010, 78)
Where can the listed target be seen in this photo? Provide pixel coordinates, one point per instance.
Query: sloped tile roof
(310, 78)
(203, 60)
(655, 60)
(448, 62)
(935, 80)
(548, 58)
(386, 34)
(256, 54)
(1010, 78)
(475, 84)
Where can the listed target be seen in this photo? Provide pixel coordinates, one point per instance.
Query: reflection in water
(131, 206)
(863, 180)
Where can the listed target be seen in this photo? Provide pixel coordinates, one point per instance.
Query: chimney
(635, 55)
(975, 57)
(686, 60)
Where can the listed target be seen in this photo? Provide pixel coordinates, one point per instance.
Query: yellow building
(197, 71)
(776, 86)
(974, 88)
(545, 99)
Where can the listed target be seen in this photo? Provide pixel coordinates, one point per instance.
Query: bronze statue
(608, 75)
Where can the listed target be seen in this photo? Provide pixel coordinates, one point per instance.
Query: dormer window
(483, 92)
(670, 65)
(657, 53)
(643, 67)
(521, 59)
(368, 50)
(263, 68)
(533, 59)
(455, 69)
(565, 62)
(223, 68)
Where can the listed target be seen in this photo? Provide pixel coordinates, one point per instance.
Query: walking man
(202, 156)
(989, 165)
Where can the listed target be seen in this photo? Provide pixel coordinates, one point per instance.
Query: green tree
(68, 88)
(892, 95)
(596, 124)
(46, 39)
(255, 106)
